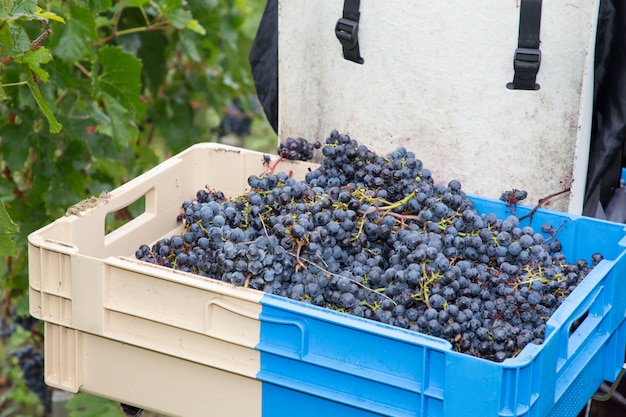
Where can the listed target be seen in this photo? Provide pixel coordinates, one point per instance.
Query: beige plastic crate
(149, 336)
(157, 381)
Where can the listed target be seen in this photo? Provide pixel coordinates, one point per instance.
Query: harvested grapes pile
(373, 236)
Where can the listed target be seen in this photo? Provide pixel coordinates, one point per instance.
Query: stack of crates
(184, 345)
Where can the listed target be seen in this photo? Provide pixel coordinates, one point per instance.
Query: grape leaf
(109, 168)
(175, 123)
(153, 52)
(194, 25)
(202, 5)
(24, 7)
(3, 94)
(20, 41)
(118, 77)
(97, 114)
(15, 151)
(8, 229)
(39, 12)
(123, 129)
(33, 59)
(147, 157)
(67, 182)
(5, 7)
(134, 3)
(177, 17)
(54, 125)
(73, 41)
(189, 44)
(180, 18)
(99, 6)
(6, 40)
(117, 82)
(22, 307)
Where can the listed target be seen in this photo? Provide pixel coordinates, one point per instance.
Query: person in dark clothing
(606, 155)
(263, 60)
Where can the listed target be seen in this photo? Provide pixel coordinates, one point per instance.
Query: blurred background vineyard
(92, 94)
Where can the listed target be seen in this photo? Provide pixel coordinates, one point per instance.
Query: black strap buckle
(527, 62)
(527, 58)
(347, 32)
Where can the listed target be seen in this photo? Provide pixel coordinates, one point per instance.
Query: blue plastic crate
(316, 361)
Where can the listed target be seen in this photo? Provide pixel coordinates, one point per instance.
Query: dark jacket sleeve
(609, 113)
(264, 62)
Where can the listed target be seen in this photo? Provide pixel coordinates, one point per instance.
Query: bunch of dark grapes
(373, 236)
(30, 361)
(514, 196)
(298, 149)
(235, 121)
(25, 322)
(7, 328)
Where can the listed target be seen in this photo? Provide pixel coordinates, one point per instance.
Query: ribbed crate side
(473, 387)
(207, 310)
(300, 330)
(602, 366)
(279, 401)
(34, 281)
(182, 315)
(62, 357)
(50, 271)
(615, 350)
(184, 344)
(54, 274)
(163, 383)
(336, 358)
(330, 389)
(349, 361)
(594, 354)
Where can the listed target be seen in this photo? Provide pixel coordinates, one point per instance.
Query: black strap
(347, 31)
(527, 58)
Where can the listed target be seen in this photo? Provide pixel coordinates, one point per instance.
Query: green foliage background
(92, 94)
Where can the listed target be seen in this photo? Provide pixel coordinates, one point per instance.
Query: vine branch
(542, 201)
(35, 45)
(150, 26)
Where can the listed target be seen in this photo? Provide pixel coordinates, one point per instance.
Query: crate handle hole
(576, 323)
(117, 219)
